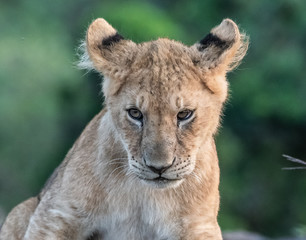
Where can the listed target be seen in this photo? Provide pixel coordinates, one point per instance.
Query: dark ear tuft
(223, 48)
(218, 53)
(112, 39)
(212, 39)
(108, 53)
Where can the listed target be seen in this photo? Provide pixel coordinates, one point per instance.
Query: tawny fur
(105, 189)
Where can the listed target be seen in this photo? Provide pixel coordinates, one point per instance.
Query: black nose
(159, 169)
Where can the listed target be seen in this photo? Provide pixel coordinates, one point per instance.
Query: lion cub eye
(134, 113)
(184, 115)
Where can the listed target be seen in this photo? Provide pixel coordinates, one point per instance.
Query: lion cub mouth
(162, 182)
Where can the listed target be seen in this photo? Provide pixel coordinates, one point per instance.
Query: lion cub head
(165, 98)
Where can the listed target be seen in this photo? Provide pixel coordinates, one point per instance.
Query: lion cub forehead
(163, 51)
(173, 103)
(163, 66)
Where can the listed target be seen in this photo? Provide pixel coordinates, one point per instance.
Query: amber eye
(135, 114)
(184, 115)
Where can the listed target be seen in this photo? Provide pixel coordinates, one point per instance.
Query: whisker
(292, 159)
(116, 169)
(118, 158)
(121, 171)
(113, 162)
(196, 176)
(293, 168)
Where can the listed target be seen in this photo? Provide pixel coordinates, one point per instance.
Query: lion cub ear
(220, 52)
(107, 52)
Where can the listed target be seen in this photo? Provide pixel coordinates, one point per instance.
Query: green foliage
(45, 102)
(128, 17)
(37, 80)
(300, 231)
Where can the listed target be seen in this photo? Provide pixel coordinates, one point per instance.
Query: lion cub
(146, 166)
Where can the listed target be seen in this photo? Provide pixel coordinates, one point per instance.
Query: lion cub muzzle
(159, 169)
(159, 156)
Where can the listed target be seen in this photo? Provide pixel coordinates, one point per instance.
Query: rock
(241, 235)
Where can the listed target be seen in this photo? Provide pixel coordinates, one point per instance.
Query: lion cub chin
(146, 166)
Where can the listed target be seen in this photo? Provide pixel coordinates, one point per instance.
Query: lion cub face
(165, 98)
(163, 113)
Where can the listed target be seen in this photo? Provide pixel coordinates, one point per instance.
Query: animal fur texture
(146, 167)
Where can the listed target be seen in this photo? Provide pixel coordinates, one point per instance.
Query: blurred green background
(45, 102)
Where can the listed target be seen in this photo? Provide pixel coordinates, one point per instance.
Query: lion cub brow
(174, 104)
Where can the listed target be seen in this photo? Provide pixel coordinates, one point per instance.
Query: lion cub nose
(159, 169)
